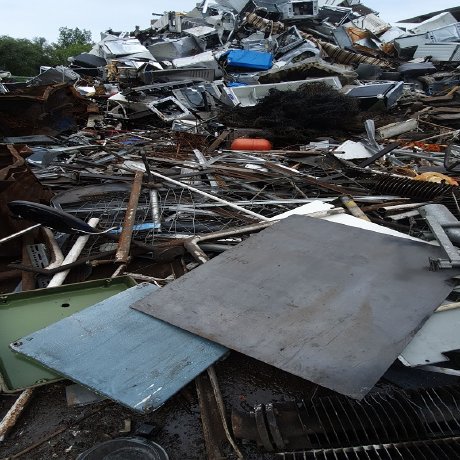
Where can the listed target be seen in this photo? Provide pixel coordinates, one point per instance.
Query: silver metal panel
(333, 304)
(443, 52)
(120, 353)
(438, 335)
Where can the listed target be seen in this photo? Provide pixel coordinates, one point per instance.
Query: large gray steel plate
(120, 353)
(327, 302)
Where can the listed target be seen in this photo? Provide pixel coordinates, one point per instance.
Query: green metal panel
(132, 358)
(26, 312)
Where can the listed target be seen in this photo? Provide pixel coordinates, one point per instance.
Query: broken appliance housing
(300, 9)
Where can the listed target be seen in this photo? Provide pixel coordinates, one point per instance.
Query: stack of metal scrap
(250, 208)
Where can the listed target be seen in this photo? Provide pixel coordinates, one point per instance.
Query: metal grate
(338, 421)
(442, 449)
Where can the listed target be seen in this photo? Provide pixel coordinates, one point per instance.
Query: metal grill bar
(441, 449)
(381, 418)
(411, 188)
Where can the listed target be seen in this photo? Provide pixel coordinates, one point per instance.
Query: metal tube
(56, 254)
(155, 210)
(351, 206)
(22, 232)
(202, 160)
(72, 256)
(192, 244)
(211, 197)
(124, 242)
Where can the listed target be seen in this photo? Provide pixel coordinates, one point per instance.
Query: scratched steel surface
(327, 302)
(121, 353)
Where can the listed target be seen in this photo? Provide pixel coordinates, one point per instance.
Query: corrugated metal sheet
(443, 52)
(121, 353)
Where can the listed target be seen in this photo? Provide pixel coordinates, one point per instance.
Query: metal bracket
(449, 249)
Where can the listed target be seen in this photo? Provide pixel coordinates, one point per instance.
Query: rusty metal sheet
(327, 302)
(17, 182)
(42, 110)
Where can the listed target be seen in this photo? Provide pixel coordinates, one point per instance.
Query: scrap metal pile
(281, 179)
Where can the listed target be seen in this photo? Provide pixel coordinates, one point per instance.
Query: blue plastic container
(250, 60)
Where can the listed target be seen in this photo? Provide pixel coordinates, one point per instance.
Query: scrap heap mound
(216, 230)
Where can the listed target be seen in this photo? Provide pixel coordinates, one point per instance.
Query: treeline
(23, 57)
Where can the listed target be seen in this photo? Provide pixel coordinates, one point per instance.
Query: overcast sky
(32, 18)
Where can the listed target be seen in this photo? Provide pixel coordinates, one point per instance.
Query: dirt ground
(244, 382)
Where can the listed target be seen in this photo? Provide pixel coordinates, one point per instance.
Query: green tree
(69, 37)
(70, 43)
(21, 56)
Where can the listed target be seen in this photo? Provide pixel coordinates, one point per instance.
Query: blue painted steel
(251, 60)
(121, 353)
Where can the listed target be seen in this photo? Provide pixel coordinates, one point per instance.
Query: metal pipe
(192, 244)
(155, 209)
(72, 256)
(57, 257)
(203, 162)
(404, 215)
(350, 205)
(399, 207)
(16, 235)
(124, 242)
(211, 197)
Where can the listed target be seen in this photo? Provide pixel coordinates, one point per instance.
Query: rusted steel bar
(124, 243)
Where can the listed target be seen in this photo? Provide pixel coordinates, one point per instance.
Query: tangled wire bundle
(297, 116)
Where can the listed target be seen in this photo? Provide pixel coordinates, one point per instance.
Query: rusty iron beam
(124, 243)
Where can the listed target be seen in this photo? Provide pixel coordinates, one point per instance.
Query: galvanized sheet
(118, 352)
(440, 334)
(327, 302)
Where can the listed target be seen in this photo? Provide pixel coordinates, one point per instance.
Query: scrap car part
(441, 221)
(45, 215)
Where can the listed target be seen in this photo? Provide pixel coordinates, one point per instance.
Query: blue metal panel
(121, 353)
